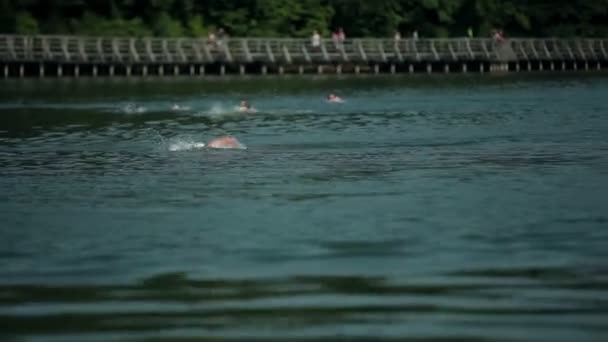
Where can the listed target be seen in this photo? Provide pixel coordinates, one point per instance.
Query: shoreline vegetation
(287, 18)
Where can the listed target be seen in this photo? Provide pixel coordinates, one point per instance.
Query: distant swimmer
(177, 107)
(225, 142)
(245, 107)
(134, 108)
(334, 98)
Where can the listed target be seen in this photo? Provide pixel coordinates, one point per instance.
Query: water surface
(432, 208)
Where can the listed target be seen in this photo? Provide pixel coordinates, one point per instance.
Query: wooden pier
(76, 56)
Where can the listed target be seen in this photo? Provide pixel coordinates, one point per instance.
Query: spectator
(221, 36)
(415, 35)
(316, 40)
(341, 35)
(498, 35)
(338, 38)
(470, 32)
(211, 41)
(396, 39)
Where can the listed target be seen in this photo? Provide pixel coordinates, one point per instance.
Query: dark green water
(449, 208)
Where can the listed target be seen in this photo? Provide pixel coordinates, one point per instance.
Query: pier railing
(126, 51)
(290, 50)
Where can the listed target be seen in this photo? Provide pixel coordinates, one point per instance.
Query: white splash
(184, 145)
(132, 108)
(179, 108)
(219, 109)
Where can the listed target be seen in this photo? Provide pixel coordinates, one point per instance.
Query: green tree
(25, 23)
(432, 18)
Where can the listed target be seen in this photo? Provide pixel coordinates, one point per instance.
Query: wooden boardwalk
(57, 56)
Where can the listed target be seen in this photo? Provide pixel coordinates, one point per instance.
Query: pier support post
(429, 68)
(201, 70)
(529, 66)
(144, 70)
(339, 69)
(376, 69)
(446, 68)
(540, 66)
(111, 70)
(464, 68)
(320, 69)
(41, 70)
(191, 70)
(161, 70)
(223, 69)
(357, 69)
(481, 68)
(563, 66)
(575, 65)
(76, 70)
(598, 65)
(59, 70)
(264, 69)
(242, 69)
(94, 70)
(410, 68)
(586, 66)
(5, 71)
(552, 66)
(300, 69)
(128, 70)
(175, 70)
(281, 70)
(393, 69)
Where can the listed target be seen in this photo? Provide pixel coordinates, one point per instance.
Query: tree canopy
(298, 18)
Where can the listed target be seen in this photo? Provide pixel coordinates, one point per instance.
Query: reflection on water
(440, 209)
(518, 302)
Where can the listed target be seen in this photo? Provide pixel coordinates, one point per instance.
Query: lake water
(433, 208)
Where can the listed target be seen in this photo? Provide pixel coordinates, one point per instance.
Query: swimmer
(225, 142)
(245, 107)
(334, 98)
(134, 108)
(177, 107)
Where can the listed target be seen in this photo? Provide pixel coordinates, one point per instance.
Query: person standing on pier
(211, 41)
(338, 38)
(397, 39)
(316, 40)
(221, 35)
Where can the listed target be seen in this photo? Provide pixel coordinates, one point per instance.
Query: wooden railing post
(306, 54)
(286, 53)
(133, 51)
(180, 50)
(324, 51)
(269, 52)
(245, 47)
(83, 54)
(361, 50)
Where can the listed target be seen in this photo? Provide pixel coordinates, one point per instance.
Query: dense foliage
(431, 18)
